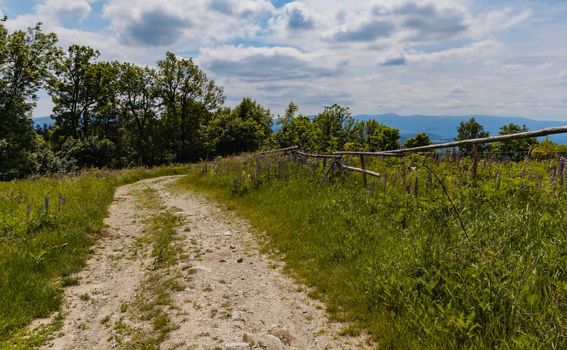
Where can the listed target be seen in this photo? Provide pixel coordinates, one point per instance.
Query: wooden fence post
(363, 166)
(474, 161)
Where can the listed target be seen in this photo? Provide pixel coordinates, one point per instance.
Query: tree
(296, 130)
(74, 92)
(86, 108)
(514, 149)
(374, 136)
(190, 101)
(244, 129)
(336, 126)
(470, 129)
(26, 59)
(139, 106)
(289, 114)
(381, 137)
(418, 140)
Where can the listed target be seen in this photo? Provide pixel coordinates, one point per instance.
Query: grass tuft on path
(153, 299)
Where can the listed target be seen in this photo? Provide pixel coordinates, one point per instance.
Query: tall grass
(47, 227)
(394, 257)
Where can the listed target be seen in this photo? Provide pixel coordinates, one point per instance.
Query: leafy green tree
(89, 151)
(244, 129)
(296, 130)
(105, 119)
(190, 101)
(470, 129)
(288, 115)
(140, 108)
(514, 149)
(336, 127)
(74, 91)
(26, 58)
(374, 136)
(381, 137)
(86, 112)
(418, 140)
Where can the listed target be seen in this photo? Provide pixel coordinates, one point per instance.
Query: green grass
(47, 228)
(397, 261)
(154, 296)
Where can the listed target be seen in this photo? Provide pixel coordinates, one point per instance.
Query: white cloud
(469, 53)
(499, 20)
(267, 64)
(293, 19)
(165, 22)
(407, 56)
(58, 8)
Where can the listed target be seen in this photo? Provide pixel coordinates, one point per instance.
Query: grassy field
(47, 228)
(422, 258)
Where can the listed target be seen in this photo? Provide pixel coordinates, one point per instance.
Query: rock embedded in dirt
(238, 316)
(240, 260)
(236, 346)
(271, 342)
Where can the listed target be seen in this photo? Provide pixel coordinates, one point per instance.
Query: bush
(91, 151)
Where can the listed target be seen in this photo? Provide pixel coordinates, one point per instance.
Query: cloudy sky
(453, 57)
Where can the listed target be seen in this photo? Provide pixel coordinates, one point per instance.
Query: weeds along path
(178, 272)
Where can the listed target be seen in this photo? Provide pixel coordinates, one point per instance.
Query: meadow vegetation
(423, 257)
(47, 229)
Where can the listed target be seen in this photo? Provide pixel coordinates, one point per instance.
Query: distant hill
(444, 128)
(40, 121)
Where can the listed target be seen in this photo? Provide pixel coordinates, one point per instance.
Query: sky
(437, 57)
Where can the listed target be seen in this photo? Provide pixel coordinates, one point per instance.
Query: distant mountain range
(444, 128)
(41, 121)
(439, 128)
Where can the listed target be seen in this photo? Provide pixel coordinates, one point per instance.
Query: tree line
(118, 114)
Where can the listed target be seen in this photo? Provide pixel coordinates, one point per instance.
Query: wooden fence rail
(480, 141)
(279, 150)
(320, 156)
(405, 151)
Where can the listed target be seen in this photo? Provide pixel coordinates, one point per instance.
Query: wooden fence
(336, 157)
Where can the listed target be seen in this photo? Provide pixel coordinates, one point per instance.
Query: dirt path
(225, 295)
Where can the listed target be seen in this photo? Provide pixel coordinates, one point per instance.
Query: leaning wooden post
(363, 166)
(474, 161)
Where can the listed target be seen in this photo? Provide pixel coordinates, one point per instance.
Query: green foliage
(301, 132)
(375, 136)
(470, 129)
(394, 258)
(139, 108)
(189, 101)
(515, 149)
(418, 140)
(25, 59)
(548, 149)
(336, 126)
(246, 128)
(46, 162)
(47, 227)
(89, 151)
(333, 130)
(296, 130)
